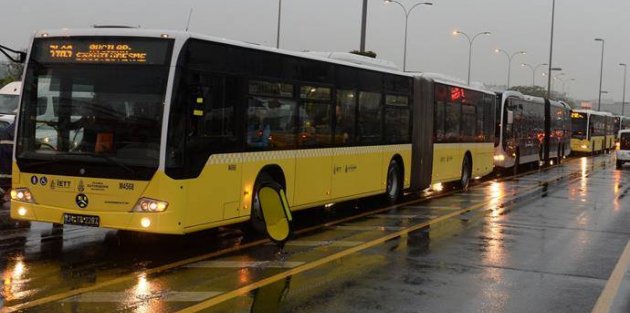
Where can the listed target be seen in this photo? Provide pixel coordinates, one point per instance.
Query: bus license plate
(81, 220)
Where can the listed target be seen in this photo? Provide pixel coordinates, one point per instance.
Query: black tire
(517, 160)
(256, 219)
(464, 181)
(393, 191)
(619, 165)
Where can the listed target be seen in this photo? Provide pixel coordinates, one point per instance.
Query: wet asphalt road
(550, 251)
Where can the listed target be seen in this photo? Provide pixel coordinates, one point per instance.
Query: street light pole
(534, 69)
(601, 76)
(623, 101)
(510, 56)
(279, 15)
(407, 13)
(553, 15)
(363, 25)
(470, 43)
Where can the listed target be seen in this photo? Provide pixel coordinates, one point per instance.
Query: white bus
(9, 99)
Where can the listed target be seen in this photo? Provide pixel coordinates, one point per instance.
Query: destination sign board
(113, 50)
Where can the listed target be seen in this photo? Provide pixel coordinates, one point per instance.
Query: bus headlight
(150, 205)
(499, 157)
(583, 146)
(22, 195)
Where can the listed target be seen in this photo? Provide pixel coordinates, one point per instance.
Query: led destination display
(116, 50)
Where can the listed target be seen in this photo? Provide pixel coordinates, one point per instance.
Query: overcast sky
(334, 25)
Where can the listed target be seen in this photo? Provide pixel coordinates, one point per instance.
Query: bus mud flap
(275, 212)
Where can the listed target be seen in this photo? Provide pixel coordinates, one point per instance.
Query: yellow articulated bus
(592, 131)
(171, 132)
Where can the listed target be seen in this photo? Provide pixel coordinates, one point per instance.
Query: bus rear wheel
(464, 181)
(393, 191)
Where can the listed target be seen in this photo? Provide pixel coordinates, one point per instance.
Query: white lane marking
(330, 243)
(606, 298)
(169, 296)
(368, 228)
(245, 264)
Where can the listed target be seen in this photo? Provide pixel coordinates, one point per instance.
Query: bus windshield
(8, 103)
(578, 124)
(106, 115)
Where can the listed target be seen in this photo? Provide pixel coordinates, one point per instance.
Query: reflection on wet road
(544, 242)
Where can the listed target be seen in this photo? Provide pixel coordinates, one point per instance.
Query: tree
(370, 54)
(13, 71)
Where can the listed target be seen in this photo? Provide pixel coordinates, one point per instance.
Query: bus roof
(329, 57)
(588, 111)
(451, 81)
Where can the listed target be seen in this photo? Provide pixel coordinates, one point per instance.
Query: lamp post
(470, 43)
(407, 13)
(533, 68)
(553, 16)
(554, 78)
(601, 76)
(623, 101)
(510, 56)
(279, 15)
(363, 25)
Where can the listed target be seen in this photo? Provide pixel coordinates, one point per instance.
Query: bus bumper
(166, 222)
(581, 146)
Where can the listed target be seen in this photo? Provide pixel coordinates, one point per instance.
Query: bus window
(624, 141)
(469, 118)
(345, 111)
(370, 117)
(438, 120)
(397, 123)
(452, 122)
(271, 123)
(315, 117)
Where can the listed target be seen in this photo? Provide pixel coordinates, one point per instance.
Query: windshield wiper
(105, 157)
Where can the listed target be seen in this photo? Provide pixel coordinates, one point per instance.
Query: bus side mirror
(510, 117)
(21, 57)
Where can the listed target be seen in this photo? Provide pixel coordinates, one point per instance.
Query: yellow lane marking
(607, 296)
(245, 264)
(122, 279)
(117, 297)
(309, 266)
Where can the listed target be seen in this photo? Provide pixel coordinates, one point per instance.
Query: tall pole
(470, 44)
(601, 77)
(553, 15)
(509, 56)
(407, 13)
(363, 25)
(533, 73)
(279, 15)
(623, 101)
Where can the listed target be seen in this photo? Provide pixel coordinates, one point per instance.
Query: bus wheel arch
(395, 179)
(269, 175)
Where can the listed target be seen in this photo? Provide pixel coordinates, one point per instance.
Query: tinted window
(469, 122)
(452, 121)
(624, 141)
(438, 121)
(370, 117)
(345, 112)
(271, 123)
(578, 124)
(315, 117)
